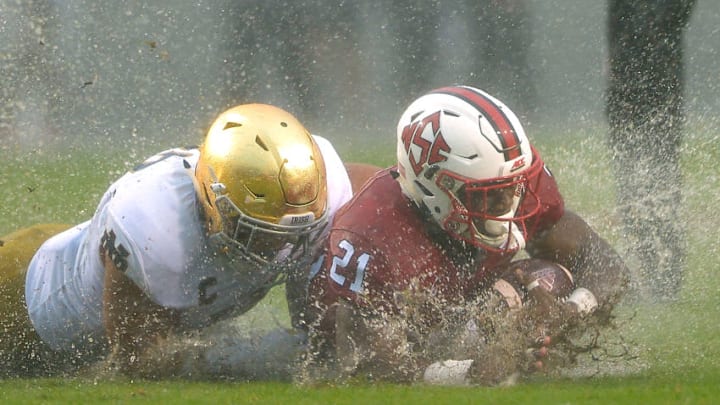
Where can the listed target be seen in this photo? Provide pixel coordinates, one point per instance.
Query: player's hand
(547, 309)
(545, 320)
(538, 353)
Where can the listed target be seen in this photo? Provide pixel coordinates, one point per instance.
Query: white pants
(63, 291)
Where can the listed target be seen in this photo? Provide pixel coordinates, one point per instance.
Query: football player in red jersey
(433, 234)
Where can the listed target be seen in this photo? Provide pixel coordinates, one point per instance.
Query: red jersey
(381, 243)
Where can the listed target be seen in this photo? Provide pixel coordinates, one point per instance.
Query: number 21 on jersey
(346, 263)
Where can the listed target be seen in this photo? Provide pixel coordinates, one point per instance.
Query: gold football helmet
(262, 182)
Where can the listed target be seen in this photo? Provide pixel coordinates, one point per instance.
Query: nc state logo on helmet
(464, 157)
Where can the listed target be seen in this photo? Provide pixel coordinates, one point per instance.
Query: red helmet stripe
(497, 118)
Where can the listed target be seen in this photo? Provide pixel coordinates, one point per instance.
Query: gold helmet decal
(261, 160)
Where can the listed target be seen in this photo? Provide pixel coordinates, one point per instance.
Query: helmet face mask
(261, 183)
(464, 156)
(484, 213)
(260, 241)
(489, 199)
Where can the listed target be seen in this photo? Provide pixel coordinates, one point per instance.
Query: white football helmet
(464, 157)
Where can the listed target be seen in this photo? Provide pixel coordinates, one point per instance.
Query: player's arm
(359, 173)
(349, 321)
(132, 321)
(600, 277)
(368, 343)
(595, 265)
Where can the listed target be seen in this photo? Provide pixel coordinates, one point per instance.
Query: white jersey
(150, 221)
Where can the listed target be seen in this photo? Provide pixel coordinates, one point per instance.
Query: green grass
(695, 388)
(675, 347)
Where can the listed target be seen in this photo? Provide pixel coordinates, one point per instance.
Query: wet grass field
(663, 353)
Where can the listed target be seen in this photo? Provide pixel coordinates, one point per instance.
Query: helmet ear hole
(430, 171)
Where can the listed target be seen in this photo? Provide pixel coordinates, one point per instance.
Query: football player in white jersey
(190, 237)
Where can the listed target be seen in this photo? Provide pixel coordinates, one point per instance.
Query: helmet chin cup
(500, 236)
(495, 228)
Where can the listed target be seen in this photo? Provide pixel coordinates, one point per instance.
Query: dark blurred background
(154, 74)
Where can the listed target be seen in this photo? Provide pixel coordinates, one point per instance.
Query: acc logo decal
(519, 164)
(429, 149)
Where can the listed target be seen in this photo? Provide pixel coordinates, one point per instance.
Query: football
(550, 276)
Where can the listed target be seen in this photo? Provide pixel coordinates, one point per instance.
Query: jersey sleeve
(148, 226)
(348, 269)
